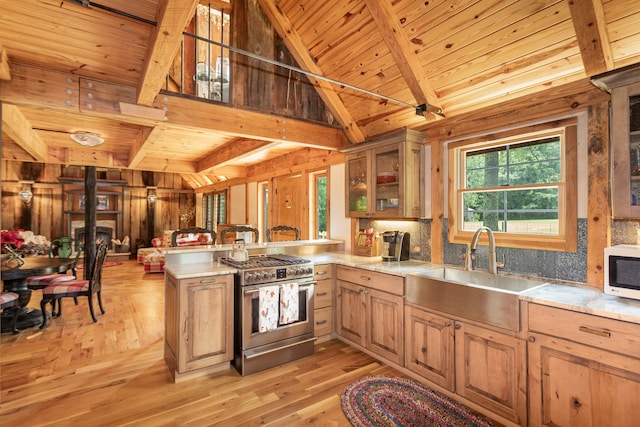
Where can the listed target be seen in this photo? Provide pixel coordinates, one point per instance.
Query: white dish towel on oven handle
(268, 299)
(289, 303)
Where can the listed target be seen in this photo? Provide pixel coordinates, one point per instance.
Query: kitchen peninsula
(603, 331)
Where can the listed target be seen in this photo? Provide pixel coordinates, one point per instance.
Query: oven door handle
(262, 353)
(304, 285)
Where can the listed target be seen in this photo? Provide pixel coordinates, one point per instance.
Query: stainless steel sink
(474, 295)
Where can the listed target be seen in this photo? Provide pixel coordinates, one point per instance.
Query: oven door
(249, 316)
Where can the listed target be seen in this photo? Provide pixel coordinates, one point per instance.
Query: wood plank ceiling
(66, 67)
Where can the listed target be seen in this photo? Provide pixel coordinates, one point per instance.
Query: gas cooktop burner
(262, 261)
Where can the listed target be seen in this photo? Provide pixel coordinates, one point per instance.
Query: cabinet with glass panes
(383, 177)
(624, 86)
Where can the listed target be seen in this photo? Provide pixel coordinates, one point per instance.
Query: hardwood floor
(78, 373)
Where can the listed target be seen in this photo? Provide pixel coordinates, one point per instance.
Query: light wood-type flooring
(112, 373)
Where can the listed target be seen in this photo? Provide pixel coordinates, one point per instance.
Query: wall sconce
(151, 195)
(25, 195)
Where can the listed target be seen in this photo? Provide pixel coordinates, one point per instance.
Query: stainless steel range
(260, 343)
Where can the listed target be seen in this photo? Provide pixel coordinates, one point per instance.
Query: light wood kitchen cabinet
(429, 346)
(583, 369)
(480, 364)
(323, 302)
(370, 311)
(383, 177)
(198, 323)
(624, 86)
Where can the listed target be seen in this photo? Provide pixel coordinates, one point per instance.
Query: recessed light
(87, 139)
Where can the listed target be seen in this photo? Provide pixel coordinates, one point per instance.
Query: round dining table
(14, 279)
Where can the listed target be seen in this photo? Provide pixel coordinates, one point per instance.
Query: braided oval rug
(393, 401)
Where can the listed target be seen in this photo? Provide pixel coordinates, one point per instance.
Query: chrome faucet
(471, 252)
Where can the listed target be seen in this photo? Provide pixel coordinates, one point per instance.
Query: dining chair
(283, 231)
(77, 288)
(10, 300)
(239, 229)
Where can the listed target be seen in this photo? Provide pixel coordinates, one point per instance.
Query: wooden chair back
(238, 229)
(280, 233)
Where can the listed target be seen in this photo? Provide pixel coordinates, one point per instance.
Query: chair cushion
(49, 279)
(66, 287)
(153, 266)
(6, 297)
(193, 239)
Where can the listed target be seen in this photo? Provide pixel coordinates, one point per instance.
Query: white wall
(238, 204)
(340, 225)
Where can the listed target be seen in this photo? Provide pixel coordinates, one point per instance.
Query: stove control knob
(264, 275)
(272, 275)
(247, 277)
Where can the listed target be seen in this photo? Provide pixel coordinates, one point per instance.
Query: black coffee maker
(395, 246)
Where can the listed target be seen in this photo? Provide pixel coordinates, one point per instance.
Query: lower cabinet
(323, 302)
(480, 364)
(198, 322)
(583, 369)
(370, 311)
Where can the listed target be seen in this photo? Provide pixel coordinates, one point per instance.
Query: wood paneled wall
(45, 215)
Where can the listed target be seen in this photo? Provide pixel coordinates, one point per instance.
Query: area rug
(393, 401)
(106, 264)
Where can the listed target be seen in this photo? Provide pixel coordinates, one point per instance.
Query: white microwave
(622, 271)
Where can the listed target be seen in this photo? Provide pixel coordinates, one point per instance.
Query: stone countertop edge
(248, 246)
(574, 297)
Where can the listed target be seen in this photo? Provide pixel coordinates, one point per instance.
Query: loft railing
(202, 67)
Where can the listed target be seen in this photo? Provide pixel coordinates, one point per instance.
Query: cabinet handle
(364, 291)
(532, 339)
(321, 294)
(365, 278)
(203, 281)
(322, 322)
(457, 326)
(447, 324)
(321, 273)
(598, 332)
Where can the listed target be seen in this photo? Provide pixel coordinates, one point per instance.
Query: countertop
(576, 297)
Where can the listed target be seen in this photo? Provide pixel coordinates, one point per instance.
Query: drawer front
(323, 294)
(323, 322)
(607, 334)
(208, 280)
(323, 271)
(371, 279)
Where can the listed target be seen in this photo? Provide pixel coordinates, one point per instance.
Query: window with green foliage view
(514, 187)
(521, 186)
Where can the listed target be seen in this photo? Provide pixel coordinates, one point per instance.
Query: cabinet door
(625, 104)
(350, 312)
(358, 176)
(386, 180)
(491, 370)
(385, 325)
(429, 346)
(572, 384)
(206, 311)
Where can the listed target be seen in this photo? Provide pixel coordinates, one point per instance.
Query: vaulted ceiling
(69, 67)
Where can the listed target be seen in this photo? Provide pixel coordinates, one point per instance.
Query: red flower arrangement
(12, 238)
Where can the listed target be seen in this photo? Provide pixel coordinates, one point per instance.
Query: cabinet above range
(384, 177)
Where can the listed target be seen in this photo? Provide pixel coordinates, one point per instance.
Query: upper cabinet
(624, 86)
(384, 177)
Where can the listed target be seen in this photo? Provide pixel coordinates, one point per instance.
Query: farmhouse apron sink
(474, 295)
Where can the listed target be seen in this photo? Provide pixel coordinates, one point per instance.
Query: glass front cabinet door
(383, 177)
(624, 86)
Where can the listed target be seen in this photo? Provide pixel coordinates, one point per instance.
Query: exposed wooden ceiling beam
(140, 147)
(217, 4)
(299, 50)
(235, 149)
(225, 120)
(591, 30)
(5, 70)
(16, 125)
(173, 16)
(403, 54)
